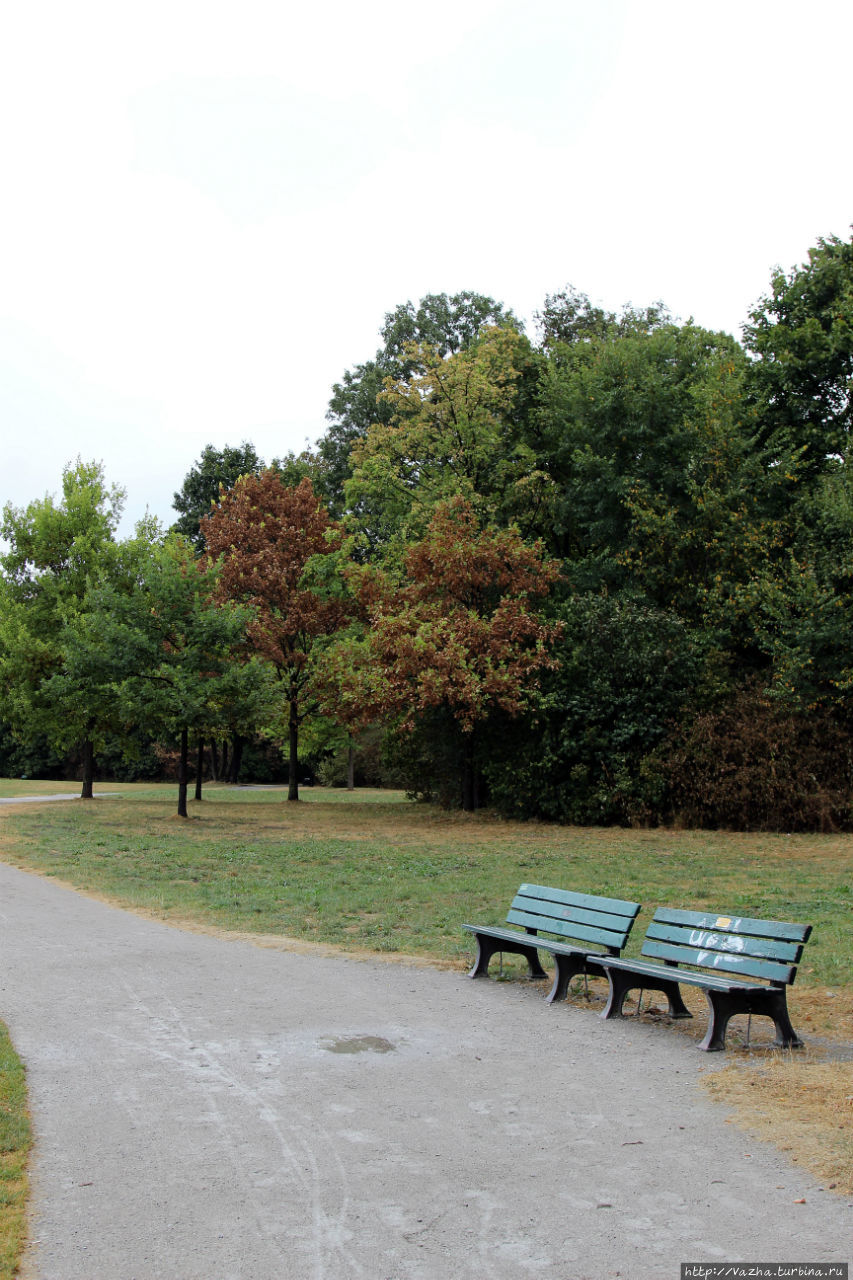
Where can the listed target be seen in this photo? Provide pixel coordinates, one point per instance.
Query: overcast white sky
(208, 208)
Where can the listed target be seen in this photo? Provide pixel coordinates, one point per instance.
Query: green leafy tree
(58, 551)
(172, 652)
(629, 420)
(805, 611)
(216, 469)
(454, 431)
(801, 376)
(585, 753)
(445, 324)
(705, 544)
(568, 317)
(350, 693)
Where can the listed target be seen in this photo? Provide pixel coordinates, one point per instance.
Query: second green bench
(742, 965)
(573, 919)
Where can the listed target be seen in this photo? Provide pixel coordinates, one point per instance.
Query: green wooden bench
(743, 966)
(575, 919)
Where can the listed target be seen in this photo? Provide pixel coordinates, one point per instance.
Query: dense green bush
(626, 669)
(35, 758)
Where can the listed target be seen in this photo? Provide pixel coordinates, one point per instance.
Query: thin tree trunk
(183, 772)
(351, 766)
(214, 759)
(87, 793)
(470, 776)
(236, 759)
(199, 768)
(224, 773)
(293, 764)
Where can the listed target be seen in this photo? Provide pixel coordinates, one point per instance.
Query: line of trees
(600, 576)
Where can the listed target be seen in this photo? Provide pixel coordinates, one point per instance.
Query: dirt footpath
(211, 1110)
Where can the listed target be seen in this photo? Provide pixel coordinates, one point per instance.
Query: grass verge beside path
(370, 871)
(385, 875)
(15, 1141)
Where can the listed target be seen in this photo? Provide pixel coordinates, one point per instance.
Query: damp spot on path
(358, 1044)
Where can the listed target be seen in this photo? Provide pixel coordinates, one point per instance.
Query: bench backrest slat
(569, 929)
(584, 917)
(732, 943)
(544, 893)
(727, 962)
(764, 949)
(779, 929)
(580, 915)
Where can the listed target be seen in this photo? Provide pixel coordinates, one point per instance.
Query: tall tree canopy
(445, 324)
(624, 416)
(216, 469)
(453, 431)
(569, 317)
(461, 635)
(57, 552)
(801, 338)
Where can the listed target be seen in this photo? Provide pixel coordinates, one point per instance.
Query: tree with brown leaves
(266, 536)
(462, 634)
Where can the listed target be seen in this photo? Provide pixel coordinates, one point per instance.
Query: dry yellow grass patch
(801, 1105)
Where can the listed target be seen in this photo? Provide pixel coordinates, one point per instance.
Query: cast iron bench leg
(568, 967)
(723, 1005)
(622, 981)
(786, 1036)
(487, 947)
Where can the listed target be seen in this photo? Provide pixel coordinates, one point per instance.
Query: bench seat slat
(551, 946)
(716, 981)
(779, 929)
(719, 960)
(509, 935)
(730, 943)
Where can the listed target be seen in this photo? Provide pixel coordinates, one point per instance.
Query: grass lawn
(15, 1142)
(371, 871)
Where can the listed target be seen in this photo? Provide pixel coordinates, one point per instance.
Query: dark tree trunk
(236, 759)
(183, 773)
(293, 764)
(87, 793)
(470, 777)
(224, 773)
(351, 766)
(199, 768)
(214, 760)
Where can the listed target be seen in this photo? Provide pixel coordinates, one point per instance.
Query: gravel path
(208, 1109)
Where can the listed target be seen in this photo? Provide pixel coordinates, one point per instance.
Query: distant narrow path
(212, 1110)
(60, 795)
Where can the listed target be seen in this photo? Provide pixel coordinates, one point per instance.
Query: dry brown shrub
(755, 765)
